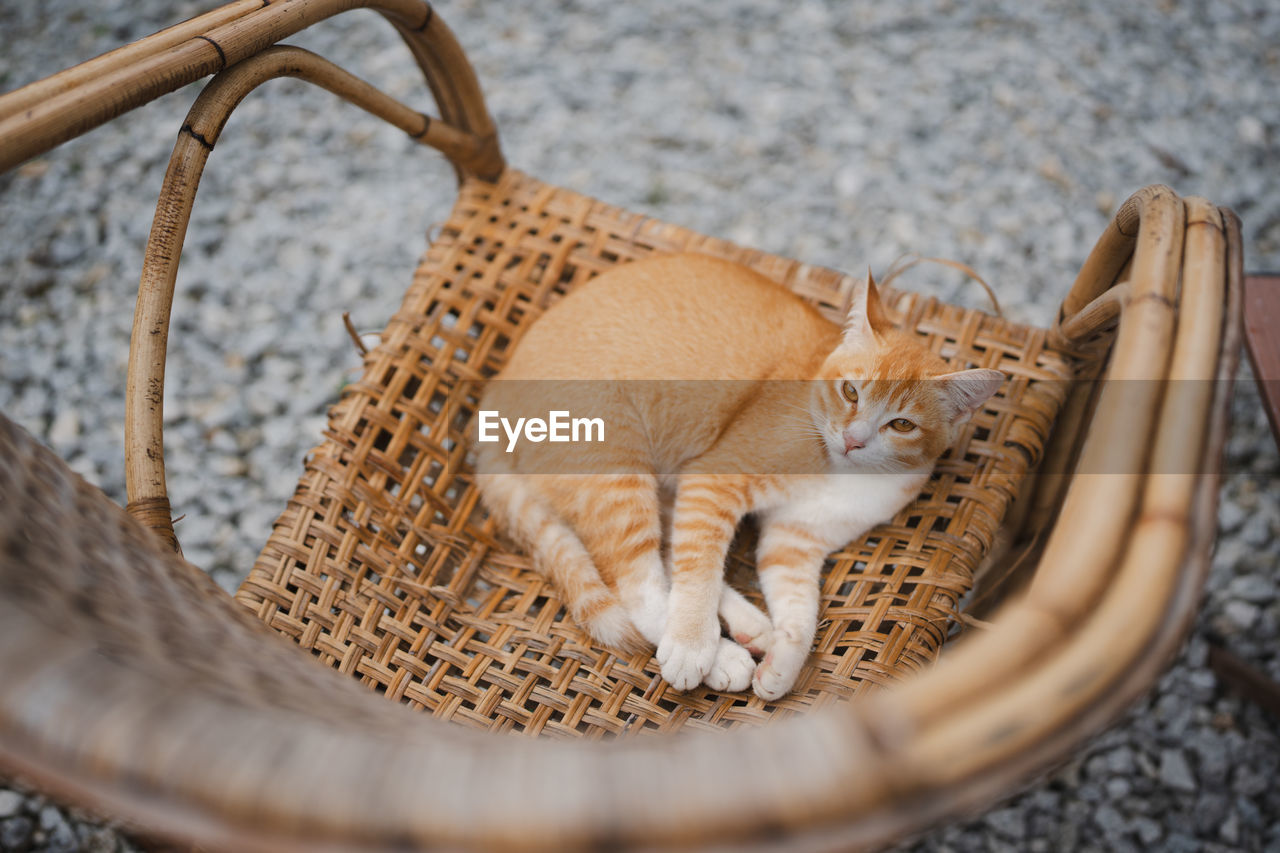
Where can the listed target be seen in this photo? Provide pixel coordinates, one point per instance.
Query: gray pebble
(1175, 773)
(1230, 516)
(1179, 842)
(1257, 531)
(16, 832)
(1250, 814)
(1209, 812)
(1091, 792)
(1118, 787)
(51, 818)
(1241, 614)
(1148, 831)
(1110, 821)
(1008, 822)
(65, 428)
(1120, 760)
(1254, 588)
(1212, 760)
(10, 803)
(59, 836)
(1250, 782)
(1230, 829)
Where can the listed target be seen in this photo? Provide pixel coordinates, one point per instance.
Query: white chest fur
(839, 507)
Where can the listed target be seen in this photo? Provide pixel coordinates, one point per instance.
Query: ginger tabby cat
(754, 403)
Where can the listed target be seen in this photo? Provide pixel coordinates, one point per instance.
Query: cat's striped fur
(763, 406)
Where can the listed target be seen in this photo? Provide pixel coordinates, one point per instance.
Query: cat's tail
(560, 555)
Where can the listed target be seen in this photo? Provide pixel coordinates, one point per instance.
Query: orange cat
(738, 398)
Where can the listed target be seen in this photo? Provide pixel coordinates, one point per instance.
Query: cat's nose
(856, 435)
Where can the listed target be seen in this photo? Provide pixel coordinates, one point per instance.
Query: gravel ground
(1000, 134)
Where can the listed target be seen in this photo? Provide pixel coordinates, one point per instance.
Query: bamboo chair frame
(113, 701)
(144, 416)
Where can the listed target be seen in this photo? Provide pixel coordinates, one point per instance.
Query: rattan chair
(1068, 533)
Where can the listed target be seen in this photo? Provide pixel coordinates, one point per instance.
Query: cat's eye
(902, 425)
(850, 393)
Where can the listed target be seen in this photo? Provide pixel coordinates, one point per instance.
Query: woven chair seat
(1065, 537)
(384, 566)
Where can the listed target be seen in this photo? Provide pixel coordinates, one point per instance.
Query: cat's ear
(967, 390)
(866, 318)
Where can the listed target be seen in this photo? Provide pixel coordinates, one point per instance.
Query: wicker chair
(1069, 531)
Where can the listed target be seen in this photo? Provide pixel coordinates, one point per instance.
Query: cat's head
(884, 402)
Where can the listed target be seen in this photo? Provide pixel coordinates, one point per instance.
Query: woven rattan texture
(384, 566)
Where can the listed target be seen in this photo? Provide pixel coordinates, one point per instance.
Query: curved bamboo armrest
(1139, 504)
(1095, 299)
(44, 114)
(144, 394)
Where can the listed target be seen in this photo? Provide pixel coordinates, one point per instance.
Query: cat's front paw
(777, 673)
(732, 669)
(684, 664)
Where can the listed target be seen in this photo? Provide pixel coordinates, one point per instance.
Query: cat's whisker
(802, 430)
(802, 409)
(794, 428)
(804, 439)
(792, 419)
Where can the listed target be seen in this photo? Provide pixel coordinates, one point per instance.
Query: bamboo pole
(47, 113)
(144, 393)
(121, 58)
(1081, 550)
(971, 756)
(1114, 635)
(1105, 262)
